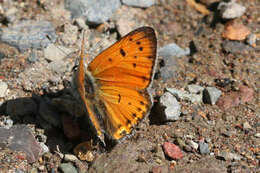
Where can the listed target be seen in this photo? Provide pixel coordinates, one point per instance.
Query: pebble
(70, 158)
(3, 89)
(231, 10)
(184, 95)
(29, 34)
(193, 144)
(6, 122)
(56, 53)
(169, 107)
(195, 89)
(170, 53)
(21, 107)
(67, 168)
(204, 148)
(236, 47)
(45, 148)
(58, 67)
(211, 95)
(172, 151)
(139, 3)
(95, 12)
(235, 31)
(173, 49)
(229, 156)
(229, 100)
(20, 138)
(251, 40)
(257, 135)
(246, 126)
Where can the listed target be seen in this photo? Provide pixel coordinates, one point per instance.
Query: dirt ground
(230, 130)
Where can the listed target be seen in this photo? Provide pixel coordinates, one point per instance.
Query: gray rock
(195, 89)
(236, 47)
(70, 158)
(170, 53)
(49, 115)
(184, 95)
(204, 148)
(20, 138)
(67, 168)
(211, 95)
(55, 53)
(231, 10)
(169, 107)
(173, 49)
(29, 34)
(139, 3)
(95, 12)
(21, 107)
(229, 156)
(3, 89)
(257, 135)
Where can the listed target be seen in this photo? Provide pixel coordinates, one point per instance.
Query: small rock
(95, 12)
(20, 138)
(67, 168)
(235, 31)
(246, 94)
(231, 10)
(169, 107)
(236, 47)
(45, 148)
(251, 40)
(211, 95)
(246, 126)
(83, 151)
(21, 107)
(193, 144)
(55, 53)
(80, 22)
(172, 151)
(204, 148)
(58, 67)
(70, 128)
(3, 89)
(257, 135)
(229, 100)
(229, 156)
(195, 89)
(70, 158)
(29, 34)
(170, 53)
(184, 95)
(139, 3)
(173, 49)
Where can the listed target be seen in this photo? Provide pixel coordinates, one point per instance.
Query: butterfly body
(113, 87)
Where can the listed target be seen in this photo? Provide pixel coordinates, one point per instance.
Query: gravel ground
(206, 109)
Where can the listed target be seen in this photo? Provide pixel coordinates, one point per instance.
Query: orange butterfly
(113, 87)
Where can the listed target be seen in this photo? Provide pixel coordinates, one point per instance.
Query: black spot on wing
(122, 52)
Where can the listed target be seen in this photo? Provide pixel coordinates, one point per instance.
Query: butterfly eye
(75, 68)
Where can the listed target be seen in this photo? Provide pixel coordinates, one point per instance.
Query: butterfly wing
(122, 74)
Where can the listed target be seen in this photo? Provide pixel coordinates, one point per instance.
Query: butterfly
(113, 88)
